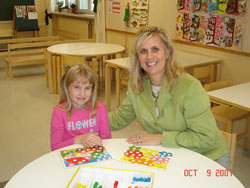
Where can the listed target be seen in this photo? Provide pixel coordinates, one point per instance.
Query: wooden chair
(124, 77)
(231, 140)
(204, 73)
(68, 61)
(21, 54)
(228, 114)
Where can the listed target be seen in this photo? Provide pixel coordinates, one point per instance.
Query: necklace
(155, 93)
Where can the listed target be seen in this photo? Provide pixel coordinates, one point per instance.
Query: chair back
(69, 60)
(231, 139)
(217, 85)
(204, 73)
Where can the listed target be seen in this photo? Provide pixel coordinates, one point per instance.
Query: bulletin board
(25, 18)
(115, 12)
(6, 8)
(163, 13)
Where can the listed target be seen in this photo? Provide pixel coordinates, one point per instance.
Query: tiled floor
(26, 107)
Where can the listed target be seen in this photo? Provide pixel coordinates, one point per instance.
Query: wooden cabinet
(73, 26)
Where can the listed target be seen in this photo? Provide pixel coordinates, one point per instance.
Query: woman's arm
(124, 115)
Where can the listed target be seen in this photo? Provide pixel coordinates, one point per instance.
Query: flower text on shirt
(81, 124)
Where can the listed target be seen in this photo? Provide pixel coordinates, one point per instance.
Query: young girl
(79, 118)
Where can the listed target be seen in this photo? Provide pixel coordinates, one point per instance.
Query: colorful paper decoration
(147, 157)
(139, 13)
(218, 23)
(79, 156)
(114, 6)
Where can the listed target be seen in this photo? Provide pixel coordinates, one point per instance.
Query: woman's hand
(146, 139)
(89, 140)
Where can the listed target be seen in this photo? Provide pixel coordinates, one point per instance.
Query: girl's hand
(145, 139)
(89, 140)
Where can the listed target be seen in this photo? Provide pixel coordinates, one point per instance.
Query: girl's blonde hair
(173, 69)
(85, 74)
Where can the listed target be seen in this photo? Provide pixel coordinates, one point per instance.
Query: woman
(171, 105)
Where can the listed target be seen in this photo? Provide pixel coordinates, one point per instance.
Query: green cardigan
(184, 119)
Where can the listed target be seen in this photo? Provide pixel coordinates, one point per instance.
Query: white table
(48, 171)
(187, 60)
(237, 96)
(84, 49)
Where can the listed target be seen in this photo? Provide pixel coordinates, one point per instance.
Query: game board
(147, 157)
(79, 156)
(102, 177)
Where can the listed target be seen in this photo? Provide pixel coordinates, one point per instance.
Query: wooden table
(118, 64)
(188, 169)
(187, 60)
(190, 60)
(84, 49)
(237, 96)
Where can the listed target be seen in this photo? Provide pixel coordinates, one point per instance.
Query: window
(85, 6)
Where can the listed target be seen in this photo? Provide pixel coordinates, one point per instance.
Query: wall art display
(217, 23)
(139, 13)
(114, 6)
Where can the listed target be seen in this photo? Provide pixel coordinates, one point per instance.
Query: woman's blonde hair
(85, 74)
(173, 69)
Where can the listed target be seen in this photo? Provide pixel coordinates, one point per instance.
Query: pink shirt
(63, 130)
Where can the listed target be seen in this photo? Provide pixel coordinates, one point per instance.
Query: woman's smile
(150, 64)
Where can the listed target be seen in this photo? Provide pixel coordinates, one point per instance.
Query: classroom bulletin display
(217, 23)
(26, 18)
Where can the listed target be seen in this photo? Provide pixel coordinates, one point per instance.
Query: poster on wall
(20, 11)
(139, 13)
(114, 6)
(32, 13)
(215, 23)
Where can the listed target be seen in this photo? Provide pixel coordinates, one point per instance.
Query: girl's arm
(57, 131)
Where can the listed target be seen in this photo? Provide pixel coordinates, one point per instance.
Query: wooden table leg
(107, 87)
(117, 80)
(95, 65)
(50, 78)
(218, 71)
(54, 74)
(247, 129)
(58, 73)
